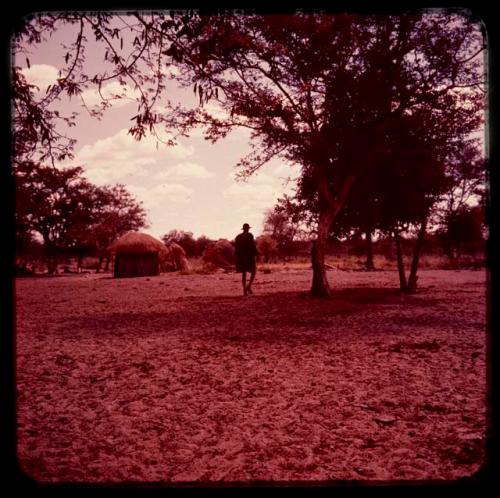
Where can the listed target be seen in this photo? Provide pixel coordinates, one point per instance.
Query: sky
(190, 186)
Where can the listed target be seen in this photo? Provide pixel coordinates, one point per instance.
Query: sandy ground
(180, 378)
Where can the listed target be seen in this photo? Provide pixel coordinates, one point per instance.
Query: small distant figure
(245, 252)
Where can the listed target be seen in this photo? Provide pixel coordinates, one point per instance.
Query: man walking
(245, 252)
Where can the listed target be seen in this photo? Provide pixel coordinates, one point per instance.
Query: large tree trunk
(401, 267)
(329, 208)
(369, 250)
(412, 280)
(320, 286)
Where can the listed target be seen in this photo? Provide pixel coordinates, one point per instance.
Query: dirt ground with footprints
(180, 378)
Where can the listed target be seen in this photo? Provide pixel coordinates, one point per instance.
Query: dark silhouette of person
(245, 252)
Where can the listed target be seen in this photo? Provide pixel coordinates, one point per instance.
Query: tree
(397, 191)
(416, 169)
(285, 226)
(326, 92)
(52, 202)
(35, 124)
(184, 239)
(460, 211)
(463, 232)
(266, 246)
(117, 212)
(29, 252)
(202, 243)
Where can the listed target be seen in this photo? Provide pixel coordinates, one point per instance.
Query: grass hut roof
(137, 243)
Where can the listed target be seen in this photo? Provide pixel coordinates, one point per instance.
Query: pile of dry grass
(220, 254)
(174, 258)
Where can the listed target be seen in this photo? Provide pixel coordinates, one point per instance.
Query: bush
(219, 254)
(267, 247)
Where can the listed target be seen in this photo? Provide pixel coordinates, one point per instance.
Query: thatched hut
(137, 255)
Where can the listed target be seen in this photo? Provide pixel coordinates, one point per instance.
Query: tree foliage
(463, 232)
(284, 224)
(192, 247)
(266, 246)
(117, 212)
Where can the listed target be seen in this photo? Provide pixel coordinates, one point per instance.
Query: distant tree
(278, 225)
(286, 224)
(466, 173)
(52, 202)
(116, 212)
(266, 246)
(172, 236)
(29, 252)
(188, 243)
(460, 214)
(202, 243)
(184, 239)
(463, 232)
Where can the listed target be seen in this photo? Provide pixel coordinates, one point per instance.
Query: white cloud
(252, 196)
(41, 75)
(174, 192)
(236, 135)
(259, 193)
(282, 176)
(108, 172)
(261, 178)
(120, 157)
(216, 111)
(161, 195)
(172, 71)
(92, 97)
(183, 171)
(257, 178)
(284, 171)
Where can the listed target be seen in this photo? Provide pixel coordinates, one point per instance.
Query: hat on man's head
(246, 226)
